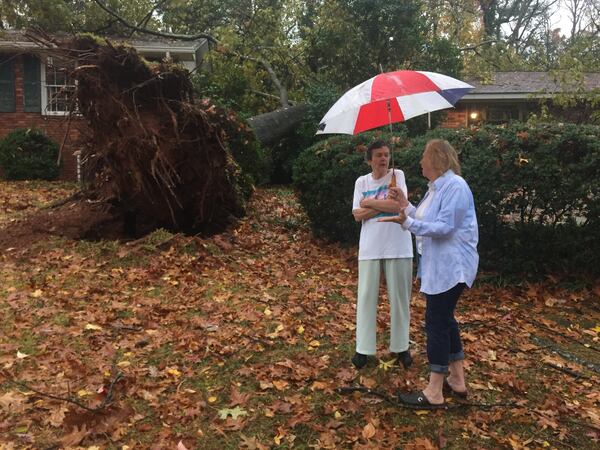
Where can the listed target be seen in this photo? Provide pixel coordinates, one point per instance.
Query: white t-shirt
(381, 240)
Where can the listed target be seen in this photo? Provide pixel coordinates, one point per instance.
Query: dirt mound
(74, 220)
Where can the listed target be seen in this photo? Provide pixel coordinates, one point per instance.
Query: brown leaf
(280, 385)
(57, 416)
(233, 425)
(75, 437)
(368, 382)
(368, 431)
(251, 443)
(12, 402)
(327, 440)
(302, 417)
(546, 422)
(319, 385)
(442, 441)
(345, 375)
(237, 398)
(420, 444)
(282, 407)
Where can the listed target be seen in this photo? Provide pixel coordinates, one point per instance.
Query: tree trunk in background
(271, 127)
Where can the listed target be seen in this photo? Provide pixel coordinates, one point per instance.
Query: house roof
(17, 39)
(514, 85)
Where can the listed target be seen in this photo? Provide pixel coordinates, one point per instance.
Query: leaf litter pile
(241, 340)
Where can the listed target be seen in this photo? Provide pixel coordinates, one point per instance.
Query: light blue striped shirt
(450, 235)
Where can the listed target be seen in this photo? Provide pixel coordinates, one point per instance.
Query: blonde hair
(443, 156)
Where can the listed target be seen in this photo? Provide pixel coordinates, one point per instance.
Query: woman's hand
(366, 203)
(400, 218)
(395, 193)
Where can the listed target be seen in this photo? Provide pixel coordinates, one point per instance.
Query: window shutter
(7, 83)
(32, 94)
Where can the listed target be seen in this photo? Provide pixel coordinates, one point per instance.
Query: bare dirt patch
(75, 220)
(30, 211)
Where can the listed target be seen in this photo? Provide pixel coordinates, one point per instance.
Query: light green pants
(398, 280)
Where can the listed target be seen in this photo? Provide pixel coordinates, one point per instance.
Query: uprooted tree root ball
(151, 152)
(151, 157)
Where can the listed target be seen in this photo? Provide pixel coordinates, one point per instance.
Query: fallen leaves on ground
(241, 340)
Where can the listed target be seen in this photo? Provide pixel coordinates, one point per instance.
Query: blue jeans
(443, 338)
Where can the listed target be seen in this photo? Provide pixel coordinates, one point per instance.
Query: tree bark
(270, 127)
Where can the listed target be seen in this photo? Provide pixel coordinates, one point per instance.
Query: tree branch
(100, 407)
(181, 37)
(471, 48)
(283, 95)
(148, 16)
(267, 95)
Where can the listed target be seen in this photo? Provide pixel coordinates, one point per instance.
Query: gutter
(28, 45)
(19, 45)
(523, 96)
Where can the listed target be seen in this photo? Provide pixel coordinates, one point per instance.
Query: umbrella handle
(389, 109)
(393, 180)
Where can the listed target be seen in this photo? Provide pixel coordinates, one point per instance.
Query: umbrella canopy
(391, 97)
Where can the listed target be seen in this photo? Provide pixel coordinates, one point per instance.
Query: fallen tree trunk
(271, 127)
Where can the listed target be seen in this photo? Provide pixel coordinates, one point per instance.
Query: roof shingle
(529, 83)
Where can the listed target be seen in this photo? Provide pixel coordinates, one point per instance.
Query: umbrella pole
(389, 108)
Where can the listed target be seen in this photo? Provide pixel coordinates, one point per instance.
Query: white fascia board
(189, 65)
(18, 45)
(164, 49)
(26, 45)
(525, 96)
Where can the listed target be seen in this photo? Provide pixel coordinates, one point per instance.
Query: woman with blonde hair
(445, 227)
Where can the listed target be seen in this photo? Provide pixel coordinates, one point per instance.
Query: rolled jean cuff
(436, 368)
(456, 356)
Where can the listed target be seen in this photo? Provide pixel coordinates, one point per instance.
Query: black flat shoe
(417, 400)
(405, 359)
(447, 389)
(359, 360)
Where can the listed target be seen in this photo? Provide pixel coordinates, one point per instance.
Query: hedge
(536, 189)
(28, 154)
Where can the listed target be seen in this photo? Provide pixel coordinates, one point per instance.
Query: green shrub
(325, 175)
(28, 154)
(536, 191)
(238, 137)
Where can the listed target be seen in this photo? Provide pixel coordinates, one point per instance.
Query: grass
(162, 354)
(28, 343)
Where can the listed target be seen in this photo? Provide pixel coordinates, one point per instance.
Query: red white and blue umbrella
(391, 97)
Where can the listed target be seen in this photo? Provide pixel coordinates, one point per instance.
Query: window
(58, 89)
(502, 114)
(7, 83)
(32, 92)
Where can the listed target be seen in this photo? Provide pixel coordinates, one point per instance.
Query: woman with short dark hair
(382, 249)
(445, 225)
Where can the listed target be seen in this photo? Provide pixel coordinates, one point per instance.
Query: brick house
(510, 96)
(35, 90)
